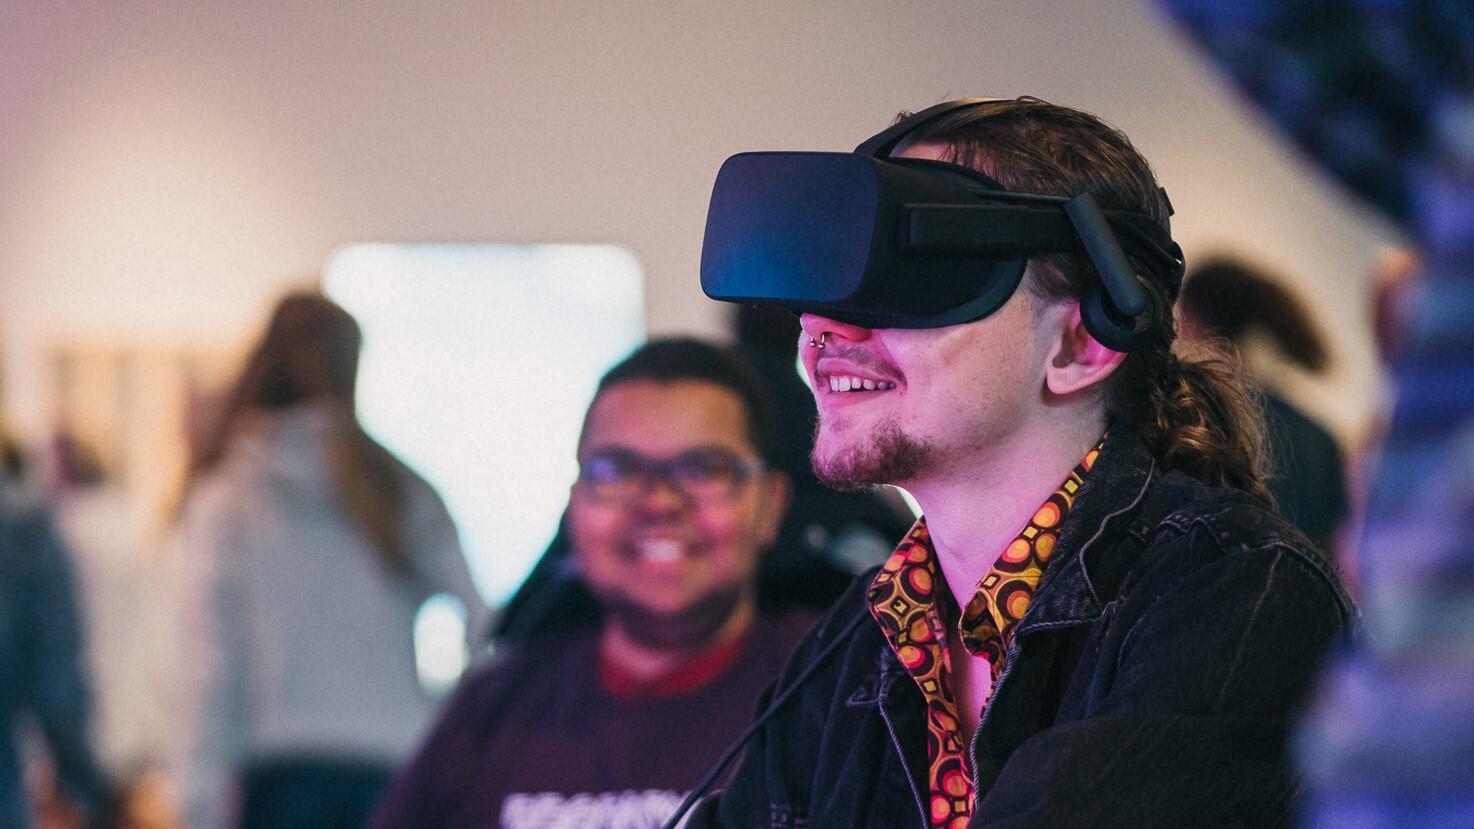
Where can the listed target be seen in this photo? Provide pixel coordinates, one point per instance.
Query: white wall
(166, 168)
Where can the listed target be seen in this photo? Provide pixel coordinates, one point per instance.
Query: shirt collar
(907, 599)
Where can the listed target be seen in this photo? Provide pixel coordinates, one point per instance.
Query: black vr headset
(909, 243)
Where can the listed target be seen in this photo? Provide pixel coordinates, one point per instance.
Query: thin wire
(761, 721)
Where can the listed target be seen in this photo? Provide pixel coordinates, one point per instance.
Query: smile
(850, 382)
(660, 551)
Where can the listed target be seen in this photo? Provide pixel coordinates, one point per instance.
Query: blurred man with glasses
(674, 504)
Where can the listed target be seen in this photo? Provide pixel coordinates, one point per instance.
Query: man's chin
(886, 456)
(844, 474)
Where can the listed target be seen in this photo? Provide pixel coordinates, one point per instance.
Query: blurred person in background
(1381, 95)
(1229, 300)
(825, 539)
(610, 724)
(304, 550)
(116, 559)
(44, 688)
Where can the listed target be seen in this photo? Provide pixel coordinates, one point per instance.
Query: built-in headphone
(1123, 310)
(1118, 330)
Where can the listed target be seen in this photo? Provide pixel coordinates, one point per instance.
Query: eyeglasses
(703, 475)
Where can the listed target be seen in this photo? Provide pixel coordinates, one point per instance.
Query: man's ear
(1076, 359)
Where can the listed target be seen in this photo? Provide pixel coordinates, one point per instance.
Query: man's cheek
(743, 554)
(593, 528)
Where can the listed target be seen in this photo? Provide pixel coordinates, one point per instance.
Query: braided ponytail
(1195, 414)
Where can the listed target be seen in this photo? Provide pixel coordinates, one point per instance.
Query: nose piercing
(819, 343)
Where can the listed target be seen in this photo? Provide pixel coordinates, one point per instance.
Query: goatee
(889, 456)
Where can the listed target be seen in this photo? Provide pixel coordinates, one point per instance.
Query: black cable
(757, 724)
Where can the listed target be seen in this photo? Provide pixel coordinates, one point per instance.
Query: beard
(690, 627)
(887, 456)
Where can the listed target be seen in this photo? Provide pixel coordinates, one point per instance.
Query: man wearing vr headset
(1100, 620)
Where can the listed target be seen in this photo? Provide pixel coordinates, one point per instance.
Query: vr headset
(887, 242)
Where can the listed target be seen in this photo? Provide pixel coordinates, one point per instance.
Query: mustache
(861, 358)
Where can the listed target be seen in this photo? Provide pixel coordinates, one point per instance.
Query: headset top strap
(883, 143)
(1162, 253)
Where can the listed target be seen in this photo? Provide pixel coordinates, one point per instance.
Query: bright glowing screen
(478, 363)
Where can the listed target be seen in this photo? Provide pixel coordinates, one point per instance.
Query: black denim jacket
(1152, 682)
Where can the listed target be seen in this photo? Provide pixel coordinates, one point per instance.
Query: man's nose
(661, 496)
(822, 329)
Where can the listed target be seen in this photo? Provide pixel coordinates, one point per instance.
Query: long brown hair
(1193, 410)
(309, 353)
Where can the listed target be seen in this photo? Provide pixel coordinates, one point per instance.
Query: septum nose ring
(819, 343)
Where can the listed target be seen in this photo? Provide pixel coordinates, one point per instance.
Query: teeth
(846, 382)
(660, 550)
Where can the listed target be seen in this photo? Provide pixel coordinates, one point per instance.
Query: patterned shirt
(913, 613)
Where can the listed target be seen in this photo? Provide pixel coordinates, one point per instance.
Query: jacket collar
(1112, 492)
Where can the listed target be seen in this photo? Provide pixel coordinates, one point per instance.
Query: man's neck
(972, 515)
(645, 662)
